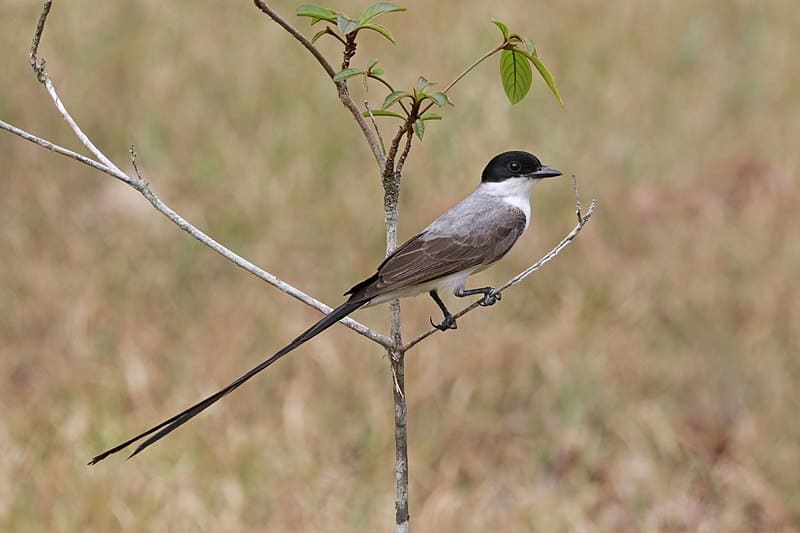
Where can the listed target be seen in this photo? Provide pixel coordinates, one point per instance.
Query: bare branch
(400, 437)
(375, 126)
(469, 69)
(402, 161)
(143, 187)
(577, 199)
(341, 86)
(391, 175)
(549, 256)
(582, 220)
(51, 90)
(37, 65)
(44, 143)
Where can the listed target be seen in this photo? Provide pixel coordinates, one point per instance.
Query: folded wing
(431, 255)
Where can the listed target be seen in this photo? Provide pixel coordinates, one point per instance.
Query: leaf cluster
(346, 26)
(416, 97)
(518, 57)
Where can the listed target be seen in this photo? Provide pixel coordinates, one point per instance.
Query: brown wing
(424, 258)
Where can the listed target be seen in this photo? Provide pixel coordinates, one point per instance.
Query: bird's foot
(448, 323)
(490, 298)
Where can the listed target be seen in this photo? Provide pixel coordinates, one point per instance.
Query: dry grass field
(647, 380)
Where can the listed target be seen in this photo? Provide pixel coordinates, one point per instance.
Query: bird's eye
(515, 166)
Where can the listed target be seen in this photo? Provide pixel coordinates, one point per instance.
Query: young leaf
(419, 128)
(393, 98)
(316, 12)
(378, 9)
(383, 113)
(377, 71)
(345, 24)
(440, 99)
(516, 74)
(430, 116)
(502, 26)
(529, 45)
(318, 35)
(346, 74)
(383, 30)
(423, 85)
(372, 63)
(548, 78)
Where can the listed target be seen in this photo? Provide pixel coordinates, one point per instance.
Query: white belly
(451, 283)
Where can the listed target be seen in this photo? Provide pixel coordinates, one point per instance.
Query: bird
(468, 238)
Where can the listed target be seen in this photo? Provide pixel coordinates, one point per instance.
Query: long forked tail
(168, 426)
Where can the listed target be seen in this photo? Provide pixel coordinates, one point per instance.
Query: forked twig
(105, 165)
(341, 86)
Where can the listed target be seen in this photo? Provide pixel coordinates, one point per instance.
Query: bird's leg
(489, 296)
(449, 322)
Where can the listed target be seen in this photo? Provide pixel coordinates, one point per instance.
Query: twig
(106, 166)
(469, 69)
(37, 65)
(577, 198)
(475, 63)
(350, 47)
(44, 143)
(143, 188)
(400, 439)
(40, 70)
(397, 354)
(375, 125)
(329, 31)
(402, 161)
(341, 86)
(391, 89)
(582, 220)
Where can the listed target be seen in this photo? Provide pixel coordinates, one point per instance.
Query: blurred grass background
(646, 380)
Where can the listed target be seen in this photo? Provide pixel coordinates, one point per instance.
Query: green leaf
(345, 24)
(372, 63)
(440, 99)
(502, 26)
(346, 74)
(393, 98)
(318, 35)
(529, 45)
(377, 71)
(383, 113)
(316, 12)
(548, 78)
(430, 116)
(378, 9)
(516, 74)
(423, 85)
(383, 30)
(419, 128)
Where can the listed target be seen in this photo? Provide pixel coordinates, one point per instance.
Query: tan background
(646, 380)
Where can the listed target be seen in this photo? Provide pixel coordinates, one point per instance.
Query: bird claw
(490, 298)
(448, 323)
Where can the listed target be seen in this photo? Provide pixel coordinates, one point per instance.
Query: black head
(516, 164)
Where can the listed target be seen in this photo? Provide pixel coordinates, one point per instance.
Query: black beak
(546, 172)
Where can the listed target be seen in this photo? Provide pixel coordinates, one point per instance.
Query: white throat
(513, 191)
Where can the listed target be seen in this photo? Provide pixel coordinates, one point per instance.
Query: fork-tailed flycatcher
(466, 239)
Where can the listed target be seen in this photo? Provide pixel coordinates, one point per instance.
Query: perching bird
(468, 238)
